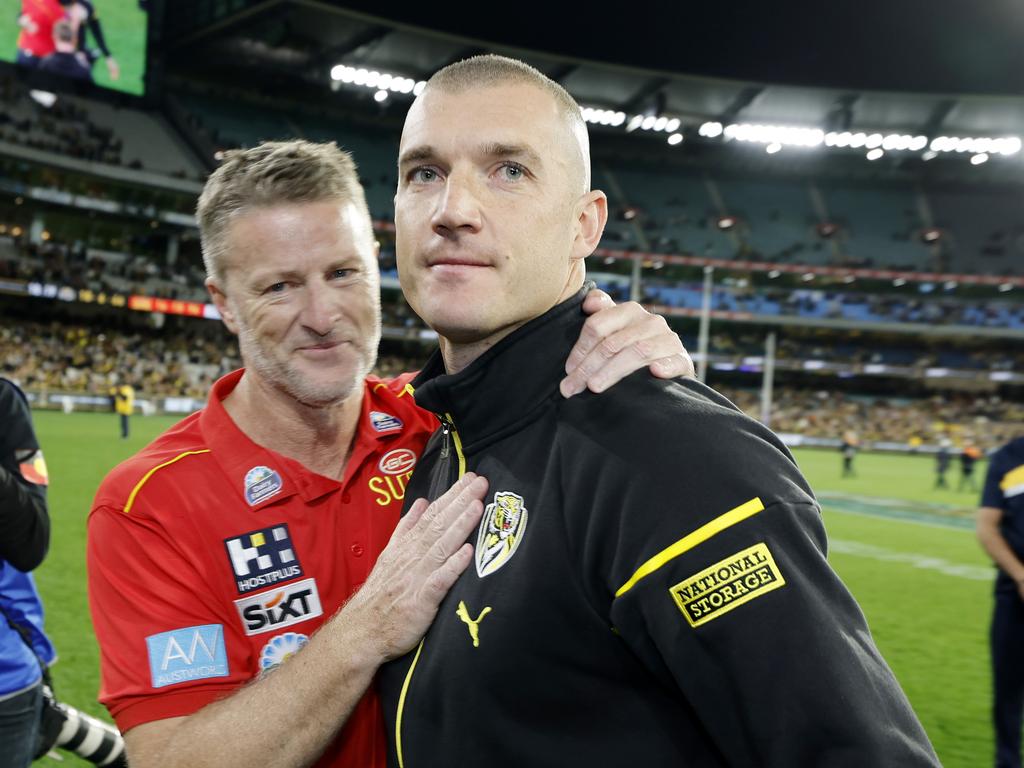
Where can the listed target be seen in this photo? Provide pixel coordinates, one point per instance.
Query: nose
(458, 208)
(320, 312)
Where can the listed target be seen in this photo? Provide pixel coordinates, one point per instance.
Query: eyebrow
(495, 149)
(417, 155)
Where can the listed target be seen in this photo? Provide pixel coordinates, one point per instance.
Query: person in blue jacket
(24, 540)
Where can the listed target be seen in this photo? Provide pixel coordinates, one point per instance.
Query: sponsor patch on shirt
(501, 531)
(280, 649)
(279, 608)
(260, 484)
(385, 422)
(261, 558)
(32, 466)
(397, 462)
(187, 654)
(727, 584)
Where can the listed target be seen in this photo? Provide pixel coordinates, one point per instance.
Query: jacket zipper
(452, 458)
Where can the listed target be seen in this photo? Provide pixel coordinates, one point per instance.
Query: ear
(593, 215)
(220, 301)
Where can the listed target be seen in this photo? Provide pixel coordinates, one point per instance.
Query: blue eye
(513, 171)
(277, 288)
(423, 175)
(342, 273)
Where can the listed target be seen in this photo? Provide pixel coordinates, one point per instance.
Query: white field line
(927, 562)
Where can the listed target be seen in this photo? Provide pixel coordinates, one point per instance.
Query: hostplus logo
(262, 558)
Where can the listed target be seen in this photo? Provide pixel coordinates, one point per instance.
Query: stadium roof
(655, 61)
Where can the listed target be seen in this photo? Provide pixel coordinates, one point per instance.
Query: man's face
(487, 209)
(302, 291)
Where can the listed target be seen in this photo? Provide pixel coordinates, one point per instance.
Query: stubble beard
(283, 376)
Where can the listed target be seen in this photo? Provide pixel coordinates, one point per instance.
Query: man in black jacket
(650, 582)
(24, 539)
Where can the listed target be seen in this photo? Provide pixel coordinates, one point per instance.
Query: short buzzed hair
(492, 70)
(272, 173)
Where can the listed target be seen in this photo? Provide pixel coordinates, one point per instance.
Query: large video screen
(102, 41)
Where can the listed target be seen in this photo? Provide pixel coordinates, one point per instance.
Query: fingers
(618, 341)
(596, 300)
(443, 578)
(426, 555)
(440, 514)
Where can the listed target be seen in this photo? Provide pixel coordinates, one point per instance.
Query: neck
(318, 437)
(458, 355)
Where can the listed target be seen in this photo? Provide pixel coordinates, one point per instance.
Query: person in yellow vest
(124, 404)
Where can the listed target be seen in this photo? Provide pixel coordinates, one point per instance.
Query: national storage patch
(727, 584)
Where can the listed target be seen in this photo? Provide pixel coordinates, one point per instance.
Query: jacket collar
(507, 382)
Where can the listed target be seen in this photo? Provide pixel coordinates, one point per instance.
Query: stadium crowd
(89, 359)
(983, 420)
(143, 270)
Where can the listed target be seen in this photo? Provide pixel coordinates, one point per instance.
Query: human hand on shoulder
(423, 559)
(616, 341)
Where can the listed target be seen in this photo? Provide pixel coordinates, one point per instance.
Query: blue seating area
(817, 304)
(879, 222)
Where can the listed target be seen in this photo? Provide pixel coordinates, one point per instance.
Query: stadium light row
(773, 137)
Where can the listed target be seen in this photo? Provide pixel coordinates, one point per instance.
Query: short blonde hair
(272, 173)
(490, 70)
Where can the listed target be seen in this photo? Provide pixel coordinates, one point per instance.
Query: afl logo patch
(397, 462)
(501, 531)
(260, 484)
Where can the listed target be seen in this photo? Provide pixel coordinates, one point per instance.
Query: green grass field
(907, 552)
(124, 29)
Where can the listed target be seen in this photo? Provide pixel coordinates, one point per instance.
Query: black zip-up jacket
(24, 522)
(649, 588)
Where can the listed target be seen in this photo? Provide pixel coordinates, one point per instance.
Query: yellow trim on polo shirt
(145, 478)
(691, 540)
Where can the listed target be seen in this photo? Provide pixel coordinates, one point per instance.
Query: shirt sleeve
(24, 521)
(168, 647)
(712, 555)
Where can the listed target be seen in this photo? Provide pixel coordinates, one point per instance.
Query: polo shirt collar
(258, 475)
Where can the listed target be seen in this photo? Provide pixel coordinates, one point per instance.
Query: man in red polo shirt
(36, 20)
(217, 553)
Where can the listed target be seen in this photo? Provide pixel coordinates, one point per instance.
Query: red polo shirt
(44, 13)
(212, 559)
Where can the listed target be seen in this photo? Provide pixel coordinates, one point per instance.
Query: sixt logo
(279, 608)
(264, 557)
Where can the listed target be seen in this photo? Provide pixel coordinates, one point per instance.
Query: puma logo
(474, 624)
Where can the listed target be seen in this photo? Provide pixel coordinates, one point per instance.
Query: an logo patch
(501, 530)
(32, 466)
(727, 584)
(260, 484)
(280, 649)
(385, 422)
(263, 557)
(397, 462)
(279, 608)
(184, 655)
